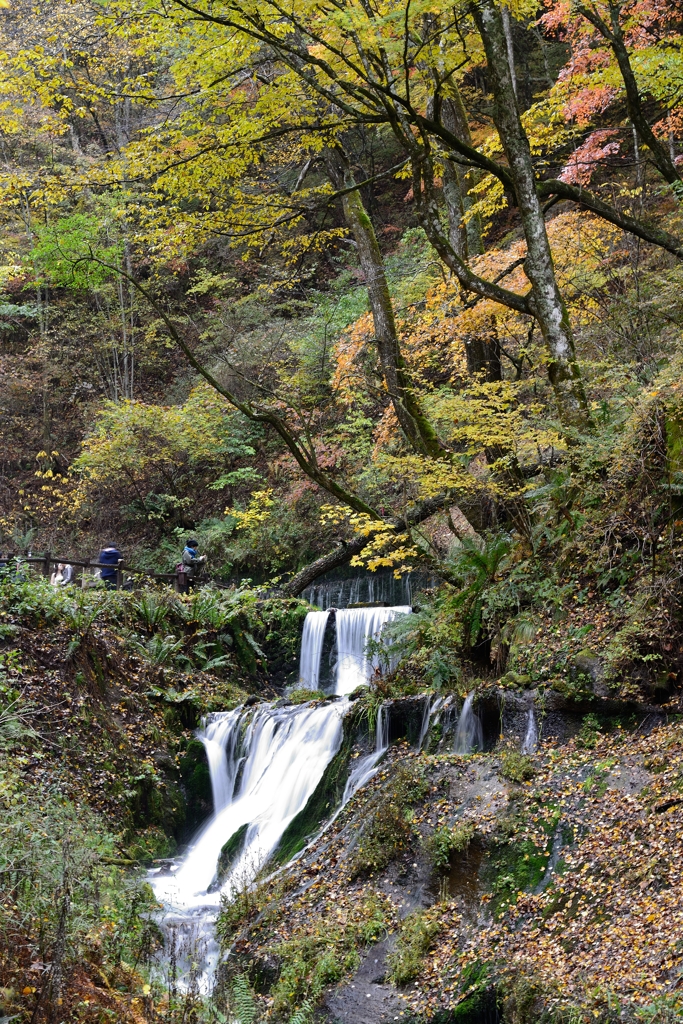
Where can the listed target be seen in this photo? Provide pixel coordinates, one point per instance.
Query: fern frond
(303, 1015)
(243, 1006)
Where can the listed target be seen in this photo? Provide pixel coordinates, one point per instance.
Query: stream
(265, 762)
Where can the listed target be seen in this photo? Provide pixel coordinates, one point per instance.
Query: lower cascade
(265, 762)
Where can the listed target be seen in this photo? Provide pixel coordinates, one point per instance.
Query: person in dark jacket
(109, 556)
(192, 563)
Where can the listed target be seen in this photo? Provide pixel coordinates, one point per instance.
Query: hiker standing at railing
(190, 567)
(109, 556)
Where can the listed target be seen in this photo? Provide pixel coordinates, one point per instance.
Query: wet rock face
(560, 717)
(405, 715)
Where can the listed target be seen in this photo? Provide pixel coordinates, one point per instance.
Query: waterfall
(355, 626)
(469, 735)
(284, 752)
(367, 766)
(431, 710)
(220, 738)
(531, 739)
(315, 624)
(265, 762)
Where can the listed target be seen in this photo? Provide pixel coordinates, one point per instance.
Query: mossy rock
(194, 772)
(587, 666)
(516, 679)
(230, 851)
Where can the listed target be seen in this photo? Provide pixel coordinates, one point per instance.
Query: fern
(243, 1006)
(303, 1014)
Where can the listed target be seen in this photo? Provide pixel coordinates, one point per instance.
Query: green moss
(303, 695)
(230, 851)
(194, 771)
(515, 864)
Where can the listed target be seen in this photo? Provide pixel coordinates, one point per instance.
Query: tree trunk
(483, 356)
(546, 302)
(415, 425)
(507, 28)
(454, 118)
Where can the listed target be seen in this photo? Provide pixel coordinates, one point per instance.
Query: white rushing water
(265, 762)
(315, 625)
(282, 755)
(220, 739)
(469, 735)
(531, 738)
(272, 760)
(355, 626)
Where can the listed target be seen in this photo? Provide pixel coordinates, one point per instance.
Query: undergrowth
(387, 830)
(415, 938)
(69, 913)
(325, 952)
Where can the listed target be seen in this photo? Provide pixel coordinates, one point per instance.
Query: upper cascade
(355, 627)
(312, 640)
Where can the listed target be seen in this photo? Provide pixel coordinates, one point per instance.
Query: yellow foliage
(258, 511)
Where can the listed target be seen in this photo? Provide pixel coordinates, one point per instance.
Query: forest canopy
(421, 258)
(308, 303)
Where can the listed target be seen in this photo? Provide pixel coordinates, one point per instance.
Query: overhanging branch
(343, 554)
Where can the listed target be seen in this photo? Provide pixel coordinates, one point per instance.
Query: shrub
(589, 732)
(417, 934)
(517, 767)
(388, 829)
(447, 840)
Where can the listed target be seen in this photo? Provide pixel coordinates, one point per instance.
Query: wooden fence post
(119, 574)
(47, 563)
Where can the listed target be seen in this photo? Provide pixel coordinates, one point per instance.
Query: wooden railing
(48, 560)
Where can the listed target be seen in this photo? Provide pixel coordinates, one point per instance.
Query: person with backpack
(109, 556)
(189, 568)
